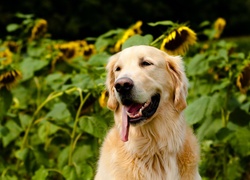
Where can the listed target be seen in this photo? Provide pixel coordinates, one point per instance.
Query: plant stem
(55, 170)
(159, 38)
(38, 90)
(73, 138)
(4, 172)
(51, 96)
(225, 112)
(225, 162)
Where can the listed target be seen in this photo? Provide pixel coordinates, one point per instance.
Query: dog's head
(141, 78)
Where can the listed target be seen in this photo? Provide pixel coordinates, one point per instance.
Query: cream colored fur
(163, 147)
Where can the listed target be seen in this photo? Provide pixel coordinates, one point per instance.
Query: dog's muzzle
(134, 112)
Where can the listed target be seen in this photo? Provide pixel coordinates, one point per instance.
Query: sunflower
(39, 29)
(243, 80)
(219, 26)
(69, 50)
(135, 29)
(82, 43)
(128, 33)
(9, 78)
(178, 41)
(88, 50)
(12, 45)
(103, 99)
(59, 57)
(5, 57)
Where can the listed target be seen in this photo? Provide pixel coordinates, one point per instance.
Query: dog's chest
(156, 166)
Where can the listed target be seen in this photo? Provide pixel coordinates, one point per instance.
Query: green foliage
(52, 124)
(49, 128)
(218, 109)
(138, 40)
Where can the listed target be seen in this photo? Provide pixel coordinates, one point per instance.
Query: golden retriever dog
(150, 139)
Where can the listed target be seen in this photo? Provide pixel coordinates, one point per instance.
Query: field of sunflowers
(53, 114)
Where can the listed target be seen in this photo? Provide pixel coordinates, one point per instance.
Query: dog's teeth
(135, 115)
(129, 114)
(147, 103)
(139, 114)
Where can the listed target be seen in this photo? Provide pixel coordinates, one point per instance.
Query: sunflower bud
(219, 26)
(103, 99)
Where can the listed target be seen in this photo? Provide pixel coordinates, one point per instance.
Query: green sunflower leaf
(41, 174)
(93, 125)
(69, 172)
(99, 59)
(29, 66)
(138, 40)
(14, 131)
(196, 111)
(198, 65)
(164, 23)
(12, 27)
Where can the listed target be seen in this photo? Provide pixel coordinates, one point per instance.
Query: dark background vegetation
(78, 19)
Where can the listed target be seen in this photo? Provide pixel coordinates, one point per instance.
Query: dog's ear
(180, 82)
(110, 81)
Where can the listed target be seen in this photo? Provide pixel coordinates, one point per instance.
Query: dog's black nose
(123, 85)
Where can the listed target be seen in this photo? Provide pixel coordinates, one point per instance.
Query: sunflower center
(87, 52)
(176, 42)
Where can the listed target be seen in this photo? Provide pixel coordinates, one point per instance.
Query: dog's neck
(156, 136)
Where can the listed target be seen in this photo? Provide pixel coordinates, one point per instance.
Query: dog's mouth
(135, 113)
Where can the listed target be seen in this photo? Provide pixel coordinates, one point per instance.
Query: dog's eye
(117, 68)
(146, 63)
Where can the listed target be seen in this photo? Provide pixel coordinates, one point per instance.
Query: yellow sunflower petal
(7, 57)
(103, 99)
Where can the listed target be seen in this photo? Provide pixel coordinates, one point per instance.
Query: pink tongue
(133, 109)
(125, 124)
